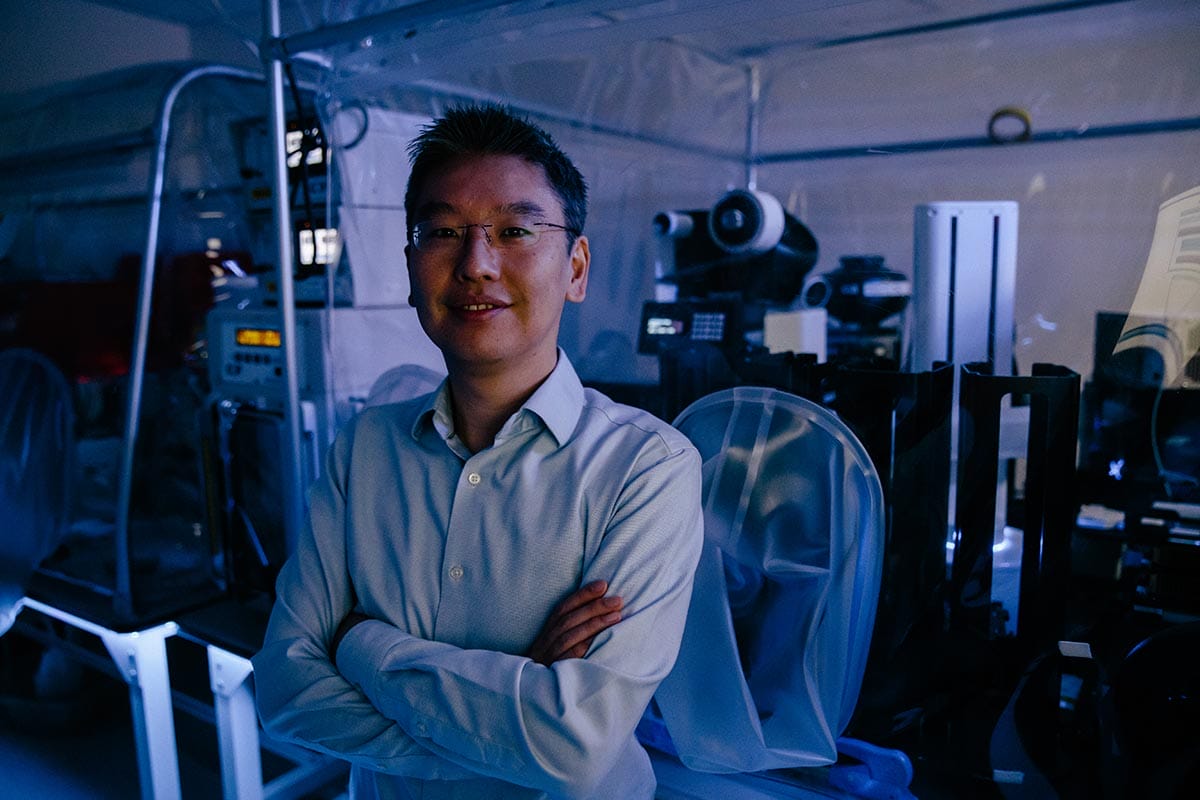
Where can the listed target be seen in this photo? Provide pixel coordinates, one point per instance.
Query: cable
(1006, 113)
(306, 145)
(1158, 461)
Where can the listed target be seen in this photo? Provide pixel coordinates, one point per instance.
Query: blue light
(1115, 467)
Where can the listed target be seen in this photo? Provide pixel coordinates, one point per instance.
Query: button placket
(462, 549)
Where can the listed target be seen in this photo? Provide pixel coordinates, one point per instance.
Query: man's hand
(574, 623)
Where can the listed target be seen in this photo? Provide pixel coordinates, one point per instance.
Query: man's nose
(478, 260)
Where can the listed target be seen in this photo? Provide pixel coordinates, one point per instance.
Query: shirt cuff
(374, 653)
(362, 650)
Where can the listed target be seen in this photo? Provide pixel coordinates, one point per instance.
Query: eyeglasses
(435, 238)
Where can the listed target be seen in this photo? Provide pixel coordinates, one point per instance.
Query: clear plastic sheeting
(403, 383)
(627, 188)
(370, 146)
(116, 108)
(82, 196)
(851, 114)
(77, 162)
(1165, 317)
(784, 602)
(36, 461)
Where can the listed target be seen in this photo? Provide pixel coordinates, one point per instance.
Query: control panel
(250, 354)
(246, 357)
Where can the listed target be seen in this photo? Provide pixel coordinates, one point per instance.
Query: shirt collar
(559, 400)
(435, 413)
(558, 403)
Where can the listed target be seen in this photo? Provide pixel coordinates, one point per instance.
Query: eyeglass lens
(505, 234)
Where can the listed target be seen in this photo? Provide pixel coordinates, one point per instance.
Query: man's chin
(477, 358)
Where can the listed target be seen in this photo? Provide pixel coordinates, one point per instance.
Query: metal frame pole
(123, 598)
(753, 103)
(273, 65)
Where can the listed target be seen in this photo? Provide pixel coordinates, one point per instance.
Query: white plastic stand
(239, 743)
(141, 659)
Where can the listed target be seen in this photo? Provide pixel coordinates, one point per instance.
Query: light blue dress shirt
(459, 559)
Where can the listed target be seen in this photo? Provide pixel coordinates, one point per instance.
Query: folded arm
(398, 703)
(559, 727)
(301, 695)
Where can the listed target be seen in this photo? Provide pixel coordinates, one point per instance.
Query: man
(495, 577)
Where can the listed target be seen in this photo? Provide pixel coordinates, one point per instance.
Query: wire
(362, 131)
(306, 146)
(1158, 460)
(1006, 113)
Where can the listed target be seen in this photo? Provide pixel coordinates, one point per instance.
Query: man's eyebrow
(427, 210)
(522, 208)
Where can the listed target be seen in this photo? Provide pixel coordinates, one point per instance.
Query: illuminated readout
(257, 337)
(663, 326)
(708, 326)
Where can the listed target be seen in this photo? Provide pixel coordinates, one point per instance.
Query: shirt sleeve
(559, 728)
(301, 695)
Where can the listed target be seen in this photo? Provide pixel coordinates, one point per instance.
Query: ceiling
(728, 30)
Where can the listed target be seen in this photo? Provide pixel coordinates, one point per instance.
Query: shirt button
(456, 572)
(474, 479)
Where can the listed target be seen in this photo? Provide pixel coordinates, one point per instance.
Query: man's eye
(515, 232)
(444, 233)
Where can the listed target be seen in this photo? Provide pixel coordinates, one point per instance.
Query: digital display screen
(319, 247)
(294, 141)
(664, 326)
(667, 324)
(708, 326)
(257, 337)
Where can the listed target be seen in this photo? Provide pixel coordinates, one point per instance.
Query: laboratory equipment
(864, 300)
(964, 277)
(336, 374)
(746, 254)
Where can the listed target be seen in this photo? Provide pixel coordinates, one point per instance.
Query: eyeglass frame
(413, 237)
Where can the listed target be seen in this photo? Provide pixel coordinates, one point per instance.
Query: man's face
(494, 308)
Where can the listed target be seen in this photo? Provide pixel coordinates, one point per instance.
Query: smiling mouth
(479, 307)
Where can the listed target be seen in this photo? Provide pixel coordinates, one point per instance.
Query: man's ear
(408, 269)
(581, 259)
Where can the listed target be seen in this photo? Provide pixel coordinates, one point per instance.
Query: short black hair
(491, 129)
